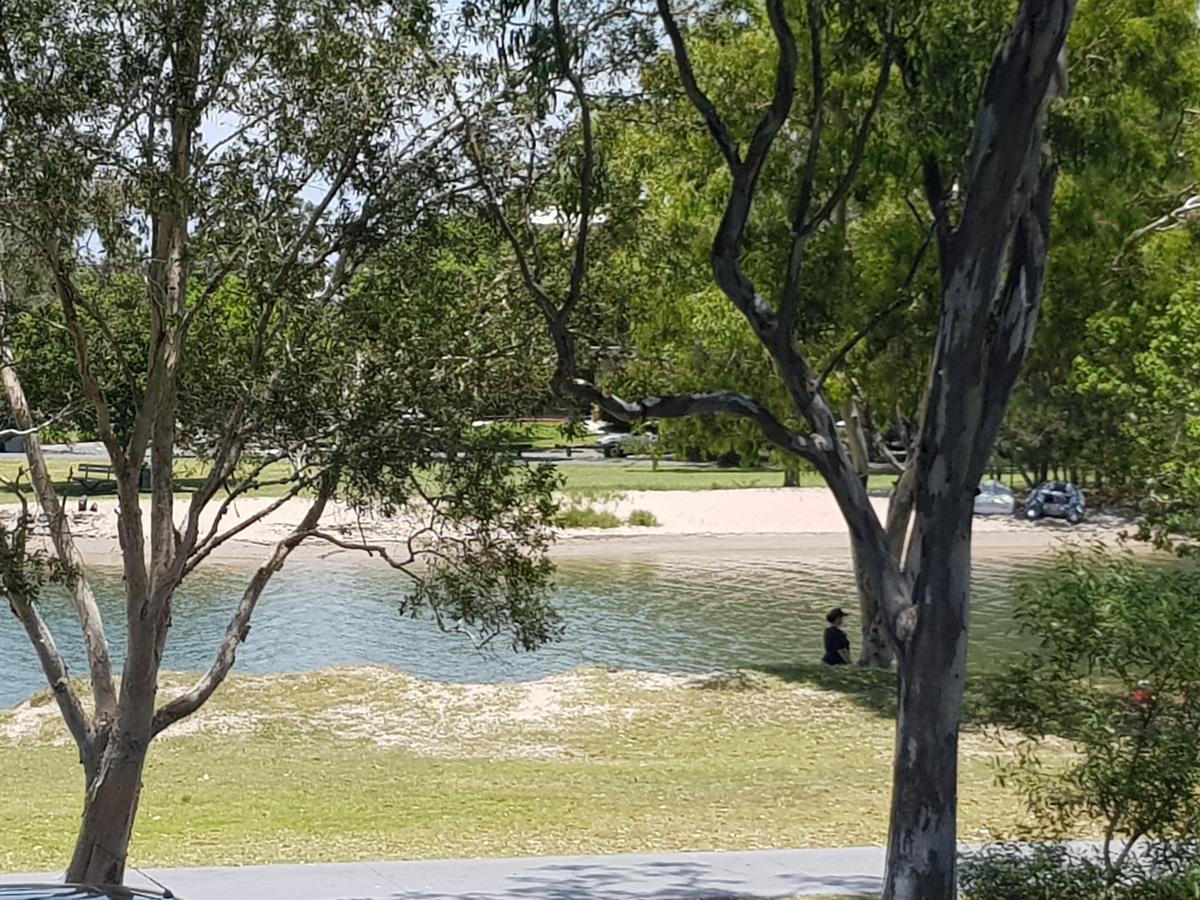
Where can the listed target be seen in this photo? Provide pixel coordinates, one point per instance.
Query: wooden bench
(571, 448)
(93, 476)
(518, 448)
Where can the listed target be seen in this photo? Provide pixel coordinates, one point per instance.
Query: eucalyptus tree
(204, 191)
(1127, 147)
(989, 214)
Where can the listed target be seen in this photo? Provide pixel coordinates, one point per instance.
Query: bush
(1042, 872)
(643, 518)
(1112, 663)
(1056, 872)
(587, 517)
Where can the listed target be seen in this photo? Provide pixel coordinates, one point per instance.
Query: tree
(204, 190)
(1130, 706)
(1127, 154)
(1143, 370)
(990, 227)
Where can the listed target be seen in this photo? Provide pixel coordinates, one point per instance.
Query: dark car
(77, 892)
(1056, 500)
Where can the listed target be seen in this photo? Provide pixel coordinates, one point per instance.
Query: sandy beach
(799, 521)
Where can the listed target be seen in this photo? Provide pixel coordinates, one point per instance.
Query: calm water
(695, 615)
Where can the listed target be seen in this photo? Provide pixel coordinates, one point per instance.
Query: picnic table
(93, 476)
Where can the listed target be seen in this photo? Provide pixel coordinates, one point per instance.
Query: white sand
(796, 519)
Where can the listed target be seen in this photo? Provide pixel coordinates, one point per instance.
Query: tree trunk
(876, 648)
(108, 812)
(922, 846)
(856, 440)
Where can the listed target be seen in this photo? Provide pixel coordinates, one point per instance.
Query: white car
(995, 498)
(613, 445)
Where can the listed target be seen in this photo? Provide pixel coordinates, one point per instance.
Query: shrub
(1111, 663)
(1056, 872)
(643, 518)
(587, 517)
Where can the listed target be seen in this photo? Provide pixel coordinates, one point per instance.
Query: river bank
(371, 763)
(802, 521)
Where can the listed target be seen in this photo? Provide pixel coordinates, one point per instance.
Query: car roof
(72, 892)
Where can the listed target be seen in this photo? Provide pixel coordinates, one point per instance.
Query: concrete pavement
(661, 876)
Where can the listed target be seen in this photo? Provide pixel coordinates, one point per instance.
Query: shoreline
(796, 522)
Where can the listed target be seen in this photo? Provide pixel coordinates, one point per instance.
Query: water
(692, 615)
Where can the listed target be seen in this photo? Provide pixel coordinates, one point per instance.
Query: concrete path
(666, 876)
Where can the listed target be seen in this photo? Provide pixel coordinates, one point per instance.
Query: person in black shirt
(837, 645)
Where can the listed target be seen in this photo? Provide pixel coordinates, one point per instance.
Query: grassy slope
(370, 763)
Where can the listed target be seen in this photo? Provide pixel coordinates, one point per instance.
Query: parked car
(995, 498)
(1056, 500)
(624, 443)
(77, 892)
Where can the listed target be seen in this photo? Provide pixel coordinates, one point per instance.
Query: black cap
(836, 613)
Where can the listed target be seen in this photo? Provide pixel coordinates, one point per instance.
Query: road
(665, 876)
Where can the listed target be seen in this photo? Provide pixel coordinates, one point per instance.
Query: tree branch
(781, 98)
(55, 671)
(213, 539)
(687, 75)
(87, 610)
(587, 166)
(678, 406)
(1009, 128)
(862, 136)
(802, 229)
(1174, 219)
(239, 626)
(935, 195)
(7, 434)
(370, 549)
(68, 296)
(790, 296)
(902, 297)
(727, 243)
(496, 210)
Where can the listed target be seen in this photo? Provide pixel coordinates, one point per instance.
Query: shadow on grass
(875, 690)
(69, 488)
(872, 689)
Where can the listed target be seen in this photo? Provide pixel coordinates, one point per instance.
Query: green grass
(373, 764)
(544, 435)
(598, 478)
(189, 475)
(595, 480)
(587, 517)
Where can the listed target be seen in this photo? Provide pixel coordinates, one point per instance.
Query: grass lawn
(582, 480)
(189, 474)
(610, 478)
(373, 764)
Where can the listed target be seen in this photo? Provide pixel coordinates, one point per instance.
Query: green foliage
(24, 572)
(1128, 154)
(643, 518)
(578, 515)
(1057, 872)
(340, 329)
(1113, 665)
(668, 191)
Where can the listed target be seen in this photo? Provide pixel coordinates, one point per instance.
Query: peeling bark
(922, 844)
(110, 806)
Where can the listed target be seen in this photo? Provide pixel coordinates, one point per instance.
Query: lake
(694, 615)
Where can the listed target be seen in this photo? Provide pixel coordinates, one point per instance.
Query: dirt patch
(35, 722)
